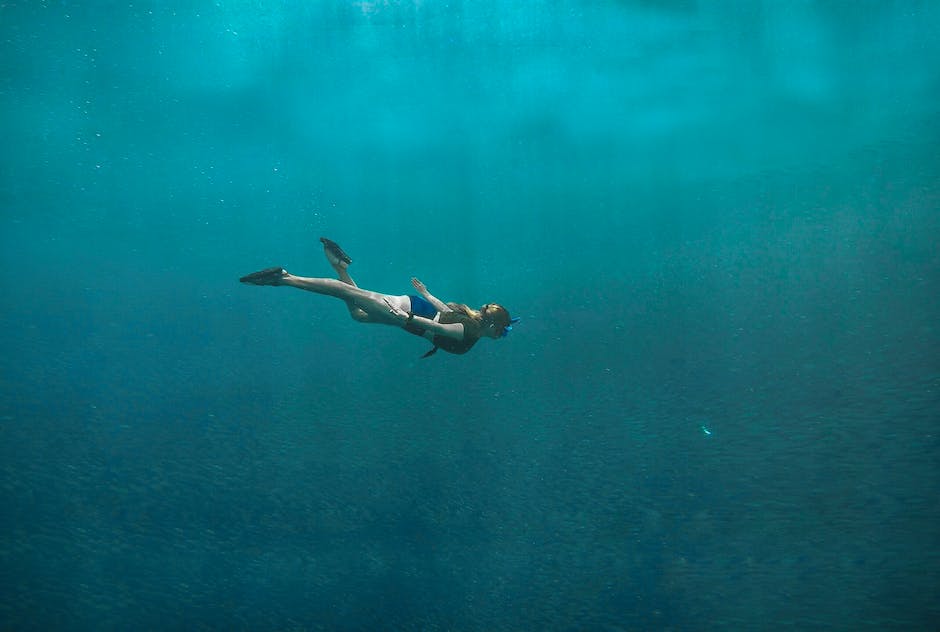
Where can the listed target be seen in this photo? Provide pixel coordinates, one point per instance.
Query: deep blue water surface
(719, 222)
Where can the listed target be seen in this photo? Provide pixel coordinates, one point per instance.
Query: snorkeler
(453, 327)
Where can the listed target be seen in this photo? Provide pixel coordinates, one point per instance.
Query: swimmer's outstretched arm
(432, 328)
(433, 300)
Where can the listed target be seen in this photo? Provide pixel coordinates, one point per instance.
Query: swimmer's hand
(396, 311)
(438, 304)
(418, 285)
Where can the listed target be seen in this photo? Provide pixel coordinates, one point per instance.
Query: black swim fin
(335, 250)
(430, 353)
(268, 276)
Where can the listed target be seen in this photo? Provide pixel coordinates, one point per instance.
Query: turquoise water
(718, 222)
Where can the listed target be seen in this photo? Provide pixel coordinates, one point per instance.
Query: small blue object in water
(706, 430)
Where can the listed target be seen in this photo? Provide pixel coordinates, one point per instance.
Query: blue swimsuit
(421, 307)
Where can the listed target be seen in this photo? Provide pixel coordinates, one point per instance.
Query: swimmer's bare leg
(340, 261)
(364, 306)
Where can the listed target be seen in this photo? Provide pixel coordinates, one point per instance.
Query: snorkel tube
(508, 328)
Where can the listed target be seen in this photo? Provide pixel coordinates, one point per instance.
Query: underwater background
(719, 224)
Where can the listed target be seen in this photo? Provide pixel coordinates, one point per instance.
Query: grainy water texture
(719, 222)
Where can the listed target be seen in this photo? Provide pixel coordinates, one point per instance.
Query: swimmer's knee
(359, 315)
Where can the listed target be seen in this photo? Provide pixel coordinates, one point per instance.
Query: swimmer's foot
(268, 276)
(334, 253)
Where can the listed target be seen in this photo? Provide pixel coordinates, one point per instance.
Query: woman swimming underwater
(453, 327)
